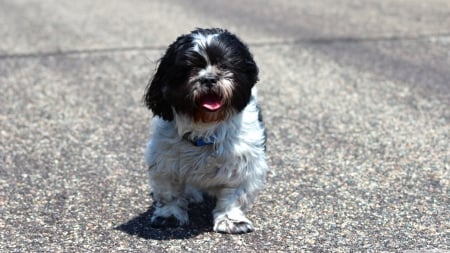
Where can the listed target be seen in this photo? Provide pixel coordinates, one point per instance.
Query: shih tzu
(208, 135)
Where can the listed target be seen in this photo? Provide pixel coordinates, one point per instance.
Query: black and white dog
(208, 134)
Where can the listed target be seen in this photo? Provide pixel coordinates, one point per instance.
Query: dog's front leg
(229, 216)
(169, 203)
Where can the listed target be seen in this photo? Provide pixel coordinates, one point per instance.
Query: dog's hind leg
(193, 195)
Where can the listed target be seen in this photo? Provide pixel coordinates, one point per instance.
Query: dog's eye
(193, 59)
(223, 66)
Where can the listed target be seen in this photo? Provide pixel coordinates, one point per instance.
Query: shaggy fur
(208, 134)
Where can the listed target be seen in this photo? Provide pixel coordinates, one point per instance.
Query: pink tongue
(211, 103)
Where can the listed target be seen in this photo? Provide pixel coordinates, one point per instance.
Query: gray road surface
(356, 98)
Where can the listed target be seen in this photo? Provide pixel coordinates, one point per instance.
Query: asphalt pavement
(355, 95)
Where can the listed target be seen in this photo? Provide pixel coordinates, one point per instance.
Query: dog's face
(207, 75)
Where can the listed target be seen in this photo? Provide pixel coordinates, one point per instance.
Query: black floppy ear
(154, 97)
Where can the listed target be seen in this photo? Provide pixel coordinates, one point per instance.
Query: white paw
(233, 223)
(165, 222)
(169, 216)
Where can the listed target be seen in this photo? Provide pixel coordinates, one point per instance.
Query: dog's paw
(161, 222)
(230, 226)
(169, 215)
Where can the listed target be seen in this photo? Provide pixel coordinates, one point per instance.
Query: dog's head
(207, 75)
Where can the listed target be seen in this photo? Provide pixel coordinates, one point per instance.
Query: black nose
(208, 80)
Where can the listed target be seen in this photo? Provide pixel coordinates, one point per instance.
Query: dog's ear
(154, 97)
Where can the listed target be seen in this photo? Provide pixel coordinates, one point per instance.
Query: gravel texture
(355, 95)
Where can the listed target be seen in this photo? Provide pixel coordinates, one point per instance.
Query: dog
(208, 136)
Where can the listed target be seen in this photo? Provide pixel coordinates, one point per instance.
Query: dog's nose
(208, 80)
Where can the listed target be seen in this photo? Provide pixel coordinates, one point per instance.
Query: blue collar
(199, 142)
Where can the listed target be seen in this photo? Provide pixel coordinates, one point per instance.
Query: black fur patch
(170, 88)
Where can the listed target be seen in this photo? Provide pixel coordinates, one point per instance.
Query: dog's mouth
(210, 102)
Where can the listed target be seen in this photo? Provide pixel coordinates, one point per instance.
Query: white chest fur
(238, 152)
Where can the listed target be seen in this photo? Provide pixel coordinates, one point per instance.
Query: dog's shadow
(200, 221)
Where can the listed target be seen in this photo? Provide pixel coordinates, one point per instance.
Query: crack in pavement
(324, 40)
